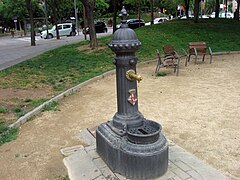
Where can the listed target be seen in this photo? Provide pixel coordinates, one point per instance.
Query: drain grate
(145, 134)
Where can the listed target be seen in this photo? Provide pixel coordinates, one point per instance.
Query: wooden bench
(170, 59)
(198, 48)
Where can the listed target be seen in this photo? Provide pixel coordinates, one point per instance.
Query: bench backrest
(201, 47)
(169, 50)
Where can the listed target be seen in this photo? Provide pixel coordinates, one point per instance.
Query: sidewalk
(83, 163)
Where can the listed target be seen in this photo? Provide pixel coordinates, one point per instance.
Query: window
(66, 26)
(59, 27)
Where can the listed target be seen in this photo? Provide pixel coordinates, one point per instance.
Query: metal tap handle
(131, 76)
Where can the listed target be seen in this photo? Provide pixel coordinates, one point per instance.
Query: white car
(158, 20)
(65, 29)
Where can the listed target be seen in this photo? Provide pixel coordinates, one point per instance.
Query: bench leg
(203, 57)
(158, 67)
(195, 59)
(178, 67)
(187, 60)
(210, 59)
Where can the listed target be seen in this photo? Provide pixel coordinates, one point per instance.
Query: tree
(187, 2)
(237, 11)
(89, 6)
(29, 7)
(151, 8)
(196, 10)
(10, 9)
(217, 7)
(114, 2)
(53, 4)
(100, 8)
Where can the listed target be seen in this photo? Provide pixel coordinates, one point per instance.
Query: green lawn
(65, 67)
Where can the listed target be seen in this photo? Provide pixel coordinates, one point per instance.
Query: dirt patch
(20, 101)
(199, 111)
(10, 93)
(89, 50)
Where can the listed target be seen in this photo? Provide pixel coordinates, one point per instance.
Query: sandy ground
(199, 111)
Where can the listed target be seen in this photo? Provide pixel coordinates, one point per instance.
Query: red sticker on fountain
(133, 97)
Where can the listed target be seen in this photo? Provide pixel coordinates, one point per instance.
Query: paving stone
(99, 163)
(176, 178)
(171, 165)
(180, 173)
(195, 175)
(87, 137)
(206, 171)
(191, 178)
(108, 174)
(182, 166)
(120, 177)
(80, 166)
(90, 148)
(168, 175)
(93, 154)
(70, 150)
(100, 178)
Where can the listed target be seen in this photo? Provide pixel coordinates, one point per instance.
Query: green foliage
(13, 8)
(35, 102)
(161, 74)
(100, 8)
(7, 134)
(51, 106)
(3, 109)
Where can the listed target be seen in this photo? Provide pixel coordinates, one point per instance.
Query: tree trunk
(187, 7)
(29, 7)
(114, 15)
(196, 10)
(226, 9)
(89, 6)
(151, 9)
(54, 6)
(237, 10)
(217, 6)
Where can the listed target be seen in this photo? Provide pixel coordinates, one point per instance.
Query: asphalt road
(18, 49)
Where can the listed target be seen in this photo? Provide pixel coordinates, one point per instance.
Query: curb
(225, 53)
(38, 109)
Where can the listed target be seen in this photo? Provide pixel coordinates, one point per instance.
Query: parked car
(100, 27)
(158, 20)
(65, 29)
(229, 15)
(134, 23)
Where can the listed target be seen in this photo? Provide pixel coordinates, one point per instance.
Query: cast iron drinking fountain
(130, 144)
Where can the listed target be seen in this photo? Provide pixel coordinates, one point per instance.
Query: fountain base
(131, 159)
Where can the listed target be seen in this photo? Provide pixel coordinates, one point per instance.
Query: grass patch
(161, 74)
(6, 134)
(3, 109)
(52, 106)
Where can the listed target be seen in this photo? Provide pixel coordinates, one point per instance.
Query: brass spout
(131, 76)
